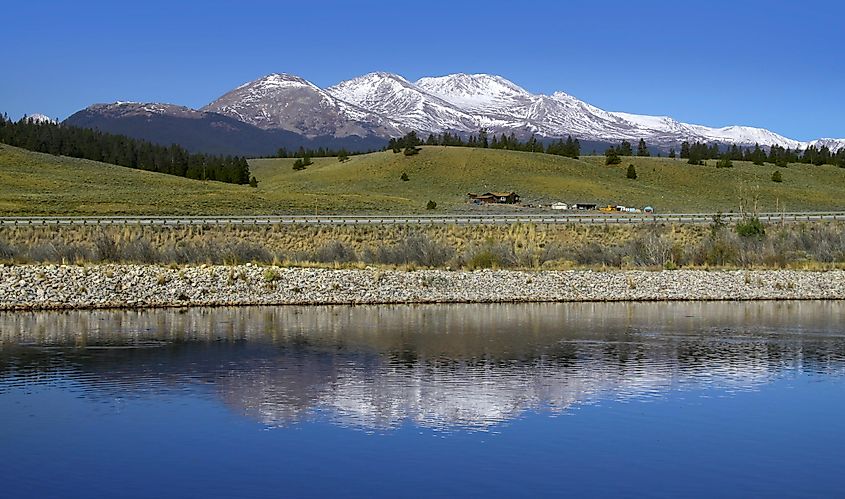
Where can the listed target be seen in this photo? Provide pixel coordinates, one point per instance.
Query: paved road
(446, 219)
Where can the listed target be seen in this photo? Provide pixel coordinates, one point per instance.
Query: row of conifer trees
(64, 140)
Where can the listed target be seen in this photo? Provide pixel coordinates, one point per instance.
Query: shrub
(335, 251)
(777, 177)
(106, 247)
(632, 172)
(298, 165)
(411, 150)
(718, 224)
(725, 163)
(650, 249)
(404, 177)
(750, 227)
(139, 250)
(489, 256)
(270, 275)
(430, 205)
(253, 182)
(416, 249)
(7, 252)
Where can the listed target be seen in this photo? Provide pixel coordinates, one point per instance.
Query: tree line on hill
(698, 152)
(570, 147)
(320, 152)
(85, 143)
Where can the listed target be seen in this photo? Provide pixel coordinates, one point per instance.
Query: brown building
(494, 197)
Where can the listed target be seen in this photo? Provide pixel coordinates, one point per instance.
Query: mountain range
(282, 110)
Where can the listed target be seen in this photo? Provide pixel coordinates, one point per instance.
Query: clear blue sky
(774, 64)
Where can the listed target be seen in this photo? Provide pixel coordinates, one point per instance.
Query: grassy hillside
(34, 183)
(446, 174)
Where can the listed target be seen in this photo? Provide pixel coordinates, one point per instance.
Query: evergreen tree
(672, 152)
(758, 156)
(52, 138)
(685, 150)
(612, 157)
(632, 172)
(713, 151)
(642, 149)
(624, 149)
(482, 138)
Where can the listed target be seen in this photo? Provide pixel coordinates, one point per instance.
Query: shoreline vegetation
(140, 267)
(718, 245)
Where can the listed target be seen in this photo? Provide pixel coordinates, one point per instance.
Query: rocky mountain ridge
(376, 106)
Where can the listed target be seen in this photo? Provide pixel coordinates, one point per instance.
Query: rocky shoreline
(52, 287)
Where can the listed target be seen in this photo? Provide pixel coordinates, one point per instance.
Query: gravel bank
(31, 287)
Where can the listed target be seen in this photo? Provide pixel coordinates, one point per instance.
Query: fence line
(449, 219)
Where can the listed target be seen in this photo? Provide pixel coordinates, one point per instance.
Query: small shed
(585, 206)
(560, 206)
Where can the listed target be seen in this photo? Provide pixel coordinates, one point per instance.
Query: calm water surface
(736, 400)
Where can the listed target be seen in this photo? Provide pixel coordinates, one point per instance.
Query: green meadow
(41, 184)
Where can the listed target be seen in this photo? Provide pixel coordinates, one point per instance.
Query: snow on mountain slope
(661, 127)
(404, 103)
(377, 106)
(287, 102)
(833, 144)
(125, 108)
(503, 106)
(478, 93)
(40, 118)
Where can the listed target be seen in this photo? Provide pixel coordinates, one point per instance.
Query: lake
(589, 399)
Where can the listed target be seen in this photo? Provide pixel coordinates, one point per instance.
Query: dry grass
(808, 246)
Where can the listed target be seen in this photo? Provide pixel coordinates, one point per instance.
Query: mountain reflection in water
(436, 366)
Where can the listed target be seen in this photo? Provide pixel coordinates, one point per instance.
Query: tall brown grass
(529, 246)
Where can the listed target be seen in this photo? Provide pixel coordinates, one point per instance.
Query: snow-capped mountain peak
(288, 102)
(385, 105)
(477, 92)
(275, 81)
(404, 103)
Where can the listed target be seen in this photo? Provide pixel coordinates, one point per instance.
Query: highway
(593, 218)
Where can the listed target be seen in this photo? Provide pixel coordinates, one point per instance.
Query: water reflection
(444, 367)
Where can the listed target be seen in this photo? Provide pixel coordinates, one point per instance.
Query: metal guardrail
(448, 219)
